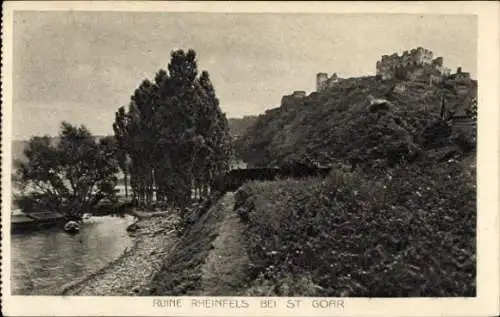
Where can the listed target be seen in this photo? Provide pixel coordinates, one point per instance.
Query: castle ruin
(299, 94)
(417, 64)
(460, 75)
(324, 82)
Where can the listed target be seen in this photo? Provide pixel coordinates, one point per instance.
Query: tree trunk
(125, 175)
(205, 190)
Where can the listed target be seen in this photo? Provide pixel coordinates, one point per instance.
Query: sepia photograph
(224, 156)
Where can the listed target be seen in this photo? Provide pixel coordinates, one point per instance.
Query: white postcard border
(487, 300)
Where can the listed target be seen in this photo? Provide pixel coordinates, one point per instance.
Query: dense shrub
(402, 224)
(408, 231)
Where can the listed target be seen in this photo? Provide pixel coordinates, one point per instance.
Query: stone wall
(460, 75)
(321, 79)
(235, 178)
(299, 94)
(324, 82)
(411, 65)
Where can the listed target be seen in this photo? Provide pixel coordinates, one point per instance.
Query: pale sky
(81, 66)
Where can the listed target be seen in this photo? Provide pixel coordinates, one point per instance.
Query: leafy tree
(71, 176)
(121, 135)
(134, 132)
(174, 133)
(196, 124)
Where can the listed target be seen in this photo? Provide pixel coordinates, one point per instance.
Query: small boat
(86, 216)
(72, 227)
(133, 227)
(21, 221)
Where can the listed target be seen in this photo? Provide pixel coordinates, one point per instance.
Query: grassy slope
(384, 230)
(337, 124)
(411, 234)
(209, 259)
(388, 229)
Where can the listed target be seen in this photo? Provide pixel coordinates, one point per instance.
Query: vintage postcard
(250, 158)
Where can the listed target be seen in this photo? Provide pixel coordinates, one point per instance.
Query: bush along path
(404, 234)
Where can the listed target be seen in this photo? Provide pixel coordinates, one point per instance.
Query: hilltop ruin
(417, 64)
(324, 82)
(412, 65)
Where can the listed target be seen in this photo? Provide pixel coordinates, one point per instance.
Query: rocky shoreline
(131, 273)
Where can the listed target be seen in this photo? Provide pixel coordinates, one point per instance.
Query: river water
(43, 261)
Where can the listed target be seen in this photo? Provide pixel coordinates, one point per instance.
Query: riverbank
(312, 237)
(209, 260)
(146, 215)
(132, 272)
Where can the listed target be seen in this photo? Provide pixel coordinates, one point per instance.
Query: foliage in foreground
(70, 176)
(406, 232)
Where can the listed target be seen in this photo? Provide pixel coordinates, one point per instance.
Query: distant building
(400, 87)
(299, 94)
(464, 118)
(294, 98)
(417, 64)
(324, 82)
(459, 75)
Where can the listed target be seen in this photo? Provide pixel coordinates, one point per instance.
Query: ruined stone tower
(324, 82)
(321, 79)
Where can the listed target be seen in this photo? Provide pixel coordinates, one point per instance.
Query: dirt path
(210, 258)
(132, 272)
(225, 266)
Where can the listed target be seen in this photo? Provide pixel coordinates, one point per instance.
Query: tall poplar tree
(175, 133)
